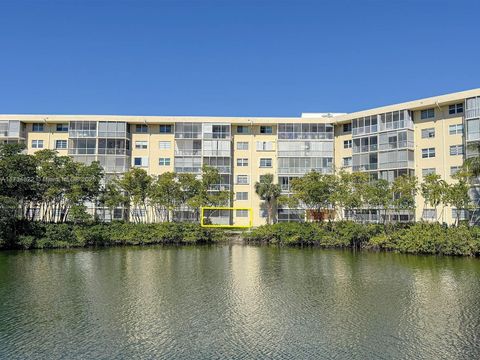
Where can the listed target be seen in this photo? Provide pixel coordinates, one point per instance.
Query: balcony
(472, 113)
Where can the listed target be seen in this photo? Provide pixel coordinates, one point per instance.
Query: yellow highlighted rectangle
(202, 217)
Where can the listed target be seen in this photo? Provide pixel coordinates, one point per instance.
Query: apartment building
(416, 138)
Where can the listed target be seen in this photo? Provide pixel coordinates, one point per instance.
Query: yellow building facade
(416, 138)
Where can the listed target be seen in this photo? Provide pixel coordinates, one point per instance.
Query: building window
(37, 127)
(347, 128)
(164, 145)
(462, 214)
(266, 163)
(266, 130)
(165, 129)
(428, 171)
(242, 195)
(428, 133)
(141, 128)
(242, 179)
(264, 145)
(427, 114)
(141, 144)
(242, 129)
(347, 161)
(456, 150)
(37, 144)
(60, 144)
(164, 161)
(429, 214)
(456, 129)
(428, 153)
(454, 170)
(62, 127)
(347, 144)
(140, 161)
(242, 213)
(242, 162)
(242, 145)
(455, 109)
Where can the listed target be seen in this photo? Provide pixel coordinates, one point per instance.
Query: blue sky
(232, 58)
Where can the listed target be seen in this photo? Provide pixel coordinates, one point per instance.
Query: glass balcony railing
(472, 113)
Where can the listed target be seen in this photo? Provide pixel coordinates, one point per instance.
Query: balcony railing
(188, 152)
(365, 167)
(472, 113)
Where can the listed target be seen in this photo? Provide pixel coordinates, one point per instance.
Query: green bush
(418, 238)
(40, 235)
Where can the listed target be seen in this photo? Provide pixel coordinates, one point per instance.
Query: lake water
(237, 302)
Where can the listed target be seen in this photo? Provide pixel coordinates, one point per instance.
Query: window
(428, 171)
(141, 144)
(62, 127)
(455, 109)
(428, 133)
(242, 179)
(428, 153)
(60, 144)
(347, 128)
(242, 129)
(265, 163)
(242, 213)
(456, 129)
(164, 145)
(242, 162)
(347, 161)
(454, 170)
(427, 114)
(456, 150)
(37, 127)
(165, 129)
(429, 214)
(264, 145)
(164, 161)
(347, 144)
(461, 214)
(141, 128)
(242, 145)
(242, 195)
(37, 144)
(140, 161)
(266, 130)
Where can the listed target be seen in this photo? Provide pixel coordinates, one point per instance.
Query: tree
(269, 193)
(316, 191)
(112, 196)
(349, 194)
(433, 190)
(165, 194)
(457, 194)
(136, 185)
(18, 176)
(378, 195)
(404, 189)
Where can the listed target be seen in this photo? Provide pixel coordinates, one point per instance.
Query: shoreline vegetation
(38, 235)
(413, 238)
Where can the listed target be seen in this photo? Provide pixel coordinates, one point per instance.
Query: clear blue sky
(232, 58)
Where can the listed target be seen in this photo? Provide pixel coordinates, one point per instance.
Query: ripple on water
(237, 302)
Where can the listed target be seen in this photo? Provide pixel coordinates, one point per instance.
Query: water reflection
(237, 302)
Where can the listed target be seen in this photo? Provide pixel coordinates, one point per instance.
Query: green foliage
(39, 235)
(269, 192)
(317, 191)
(419, 238)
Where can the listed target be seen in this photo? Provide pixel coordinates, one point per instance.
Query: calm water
(237, 302)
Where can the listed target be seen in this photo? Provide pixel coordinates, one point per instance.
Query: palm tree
(268, 192)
